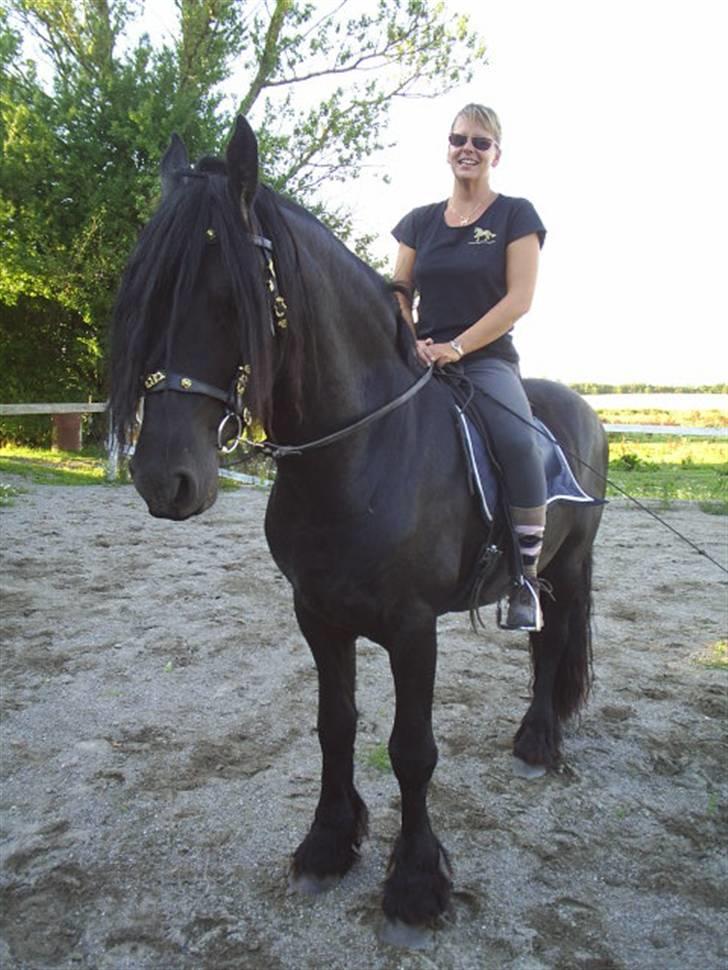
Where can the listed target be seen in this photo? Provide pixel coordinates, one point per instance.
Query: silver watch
(457, 347)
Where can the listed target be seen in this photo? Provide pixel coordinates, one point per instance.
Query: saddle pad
(561, 485)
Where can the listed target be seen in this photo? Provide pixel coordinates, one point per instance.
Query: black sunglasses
(482, 144)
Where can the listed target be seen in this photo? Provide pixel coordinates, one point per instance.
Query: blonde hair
(480, 115)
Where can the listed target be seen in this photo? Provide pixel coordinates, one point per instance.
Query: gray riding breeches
(514, 442)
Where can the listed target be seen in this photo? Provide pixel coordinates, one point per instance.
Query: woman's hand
(423, 351)
(442, 354)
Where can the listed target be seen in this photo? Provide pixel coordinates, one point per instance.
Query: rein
(286, 451)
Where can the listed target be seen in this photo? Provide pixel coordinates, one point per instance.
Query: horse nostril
(186, 491)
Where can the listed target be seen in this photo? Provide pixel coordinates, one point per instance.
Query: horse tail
(567, 633)
(575, 675)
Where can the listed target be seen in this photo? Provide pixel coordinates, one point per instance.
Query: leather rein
(235, 410)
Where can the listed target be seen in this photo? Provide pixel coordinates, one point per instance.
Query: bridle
(233, 397)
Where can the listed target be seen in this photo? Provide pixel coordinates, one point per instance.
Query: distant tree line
(589, 387)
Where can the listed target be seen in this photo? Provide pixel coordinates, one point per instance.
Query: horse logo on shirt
(482, 237)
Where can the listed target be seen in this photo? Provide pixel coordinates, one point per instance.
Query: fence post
(112, 448)
(67, 431)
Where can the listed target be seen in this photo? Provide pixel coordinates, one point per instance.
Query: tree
(86, 113)
(367, 61)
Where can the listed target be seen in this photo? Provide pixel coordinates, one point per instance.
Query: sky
(613, 128)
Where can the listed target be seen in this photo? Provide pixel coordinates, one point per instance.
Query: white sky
(614, 130)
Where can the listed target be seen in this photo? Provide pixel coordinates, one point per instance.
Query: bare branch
(327, 18)
(269, 57)
(372, 61)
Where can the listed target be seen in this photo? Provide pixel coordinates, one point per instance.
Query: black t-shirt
(460, 271)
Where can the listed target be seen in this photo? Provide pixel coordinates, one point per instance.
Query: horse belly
(366, 575)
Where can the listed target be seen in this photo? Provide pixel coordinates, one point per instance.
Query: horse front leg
(340, 823)
(418, 885)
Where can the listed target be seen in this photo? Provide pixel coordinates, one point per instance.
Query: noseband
(235, 411)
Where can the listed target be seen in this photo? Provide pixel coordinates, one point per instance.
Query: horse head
(194, 331)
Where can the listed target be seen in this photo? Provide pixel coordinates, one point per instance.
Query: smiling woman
(473, 260)
(474, 149)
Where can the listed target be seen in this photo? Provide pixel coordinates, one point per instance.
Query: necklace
(464, 220)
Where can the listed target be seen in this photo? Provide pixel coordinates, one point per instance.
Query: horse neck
(351, 364)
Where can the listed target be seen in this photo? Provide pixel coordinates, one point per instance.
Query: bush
(629, 462)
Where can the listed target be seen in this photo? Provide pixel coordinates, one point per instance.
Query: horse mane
(381, 291)
(159, 279)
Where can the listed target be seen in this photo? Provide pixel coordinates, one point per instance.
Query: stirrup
(524, 608)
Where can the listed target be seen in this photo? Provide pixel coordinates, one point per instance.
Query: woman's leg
(508, 416)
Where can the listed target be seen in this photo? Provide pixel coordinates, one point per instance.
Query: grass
(713, 806)
(46, 467)
(715, 657)
(377, 757)
(8, 494)
(671, 468)
(686, 419)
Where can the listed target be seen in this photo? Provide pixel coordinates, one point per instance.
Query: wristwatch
(457, 347)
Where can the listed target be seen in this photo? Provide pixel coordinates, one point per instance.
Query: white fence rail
(16, 410)
(669, 429)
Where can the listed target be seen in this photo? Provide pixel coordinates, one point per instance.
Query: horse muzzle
(175, 494)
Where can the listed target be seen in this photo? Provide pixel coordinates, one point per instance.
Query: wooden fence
(66, 418)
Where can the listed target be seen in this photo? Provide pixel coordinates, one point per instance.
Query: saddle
(486, 483)
(561, 483)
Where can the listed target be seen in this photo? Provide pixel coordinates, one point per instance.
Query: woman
(473, 261)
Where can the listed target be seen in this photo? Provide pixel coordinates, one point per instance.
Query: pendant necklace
(464, 220)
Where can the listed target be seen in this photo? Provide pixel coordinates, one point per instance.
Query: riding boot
(524, 604)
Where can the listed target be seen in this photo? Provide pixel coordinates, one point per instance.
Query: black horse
(235, 301)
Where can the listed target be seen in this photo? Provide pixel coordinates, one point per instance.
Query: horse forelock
(160, 280)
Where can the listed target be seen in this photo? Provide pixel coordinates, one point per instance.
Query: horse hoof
(396, 933)
(306, 885)
(521, 769)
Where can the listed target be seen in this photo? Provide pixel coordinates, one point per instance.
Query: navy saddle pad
(561, 485)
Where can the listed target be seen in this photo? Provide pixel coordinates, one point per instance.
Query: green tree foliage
(47, 353)
(87, 108)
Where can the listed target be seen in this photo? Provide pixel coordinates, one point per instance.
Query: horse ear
(242, 162)
(175, 158)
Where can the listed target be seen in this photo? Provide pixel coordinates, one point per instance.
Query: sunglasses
(478, 142)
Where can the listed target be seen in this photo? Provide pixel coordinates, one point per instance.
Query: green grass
(671, 468)
(8, 494)
(686, 419)
(377, 757)
(715, 657)
(45, 467)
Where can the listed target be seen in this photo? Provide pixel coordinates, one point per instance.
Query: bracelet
(457, 347)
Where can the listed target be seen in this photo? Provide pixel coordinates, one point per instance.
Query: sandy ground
(160, 762)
